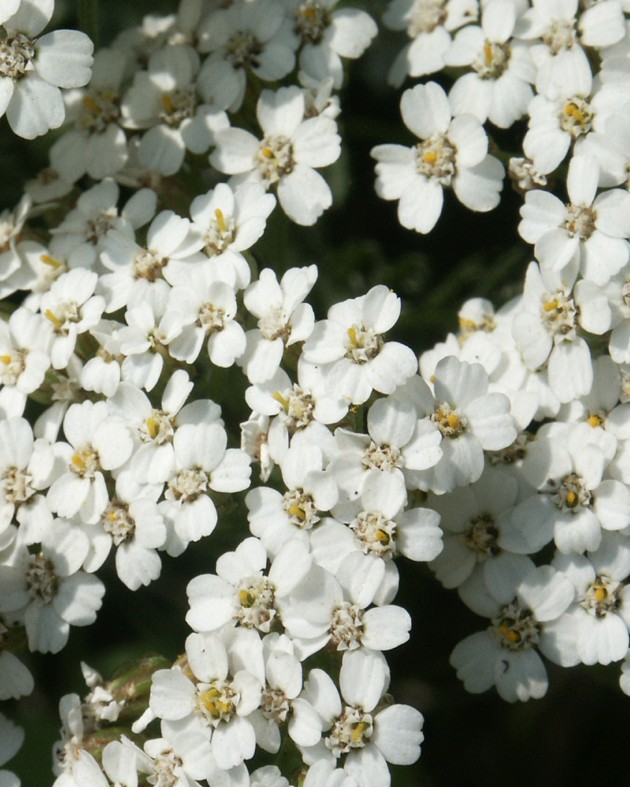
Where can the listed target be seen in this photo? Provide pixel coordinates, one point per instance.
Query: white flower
(350, 351)
(221, 692)
(361, 728)
(452, 153)
(498, 89)
(32, 70)
(291, 150)
(97, 442)
(245, 37)
(164, 100)
(283, 319)
(327, 35)
(429, 23)
(520, 607)
(48, 590)
(470, 420)
(589, 232)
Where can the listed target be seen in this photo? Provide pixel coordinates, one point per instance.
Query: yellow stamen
(295, 510)
(93, 106)
(382, 537)
(167, 103)
(601, 594)
(78, 461)
(487, 53)
(572, 499)
(430, 157)
(357, 731)
(220, 219)
(267, 152)
(352, 335)
(572, 111)
(50, 315)
(48, 260)
(281, 400)
(6, 359)
(452, 419)
(246, 598)
(509, 634)
(550, 306)
(212, 702)
(594, 421)
(152, 428)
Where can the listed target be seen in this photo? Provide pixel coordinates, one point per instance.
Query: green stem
(88, 19)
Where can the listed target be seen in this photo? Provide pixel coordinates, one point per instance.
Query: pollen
(487, 53)
(167, 103)
(430, 157)
(6, 359)
(92, 105)
(281, 400)
(550, 306)
(574, 112)
(571, 499)
(594, 420)
(48, 260)
(220, 219)
(56, 321)
(267, 152)
(512, 636)
(297, 511)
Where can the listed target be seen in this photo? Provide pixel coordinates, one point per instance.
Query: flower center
(219, 234)
(118, 523)
(243, 49)
(274, 705)
(274, 158)
(297, 408)
(17, 485)
(66, 314)
(179, 105)
(211, 318)
(300, 508)
(351, 730)
(273, 324)
(346, 626)
(381, 457)
(435, 159)
(148, 265)
(572, 494)
(425, 16)
(559, 35)
(580, 221)
(376, 533)
(188, 485)
(41, 580)
(576, 117)
(482, 537)
(99, 225)
(12, 364)
(99, 109)
(311, 20)
(449, 421)
(16, 54)
(362, 344)
(516, 628)
(158, 428)
(256, 597)
(558, 315)
(602, 597)
(84, 462)
(493, 61)
(217, 701)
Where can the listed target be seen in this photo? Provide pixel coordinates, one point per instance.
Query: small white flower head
(48, 590)
(326, 35)
(291, 150)
(283, 319)
(429, 24)
(350, 349)
(546, 331)
(470, 420)
(244, 39)
(523, 609)
(498, 88)
(452, 153)
(212, 699)
(33, 70)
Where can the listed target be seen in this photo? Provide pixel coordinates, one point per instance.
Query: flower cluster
(500, 458)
